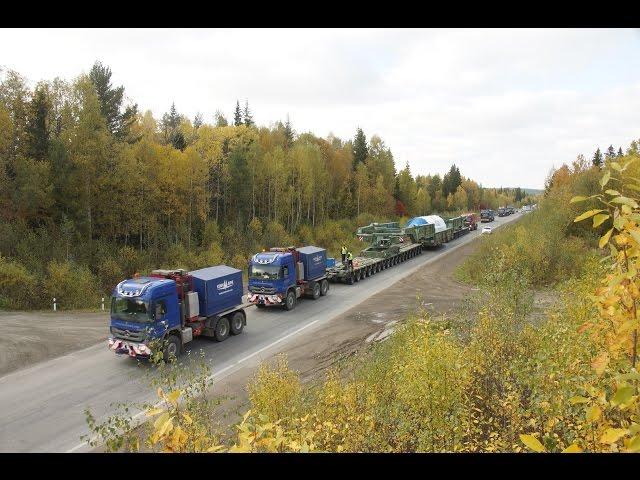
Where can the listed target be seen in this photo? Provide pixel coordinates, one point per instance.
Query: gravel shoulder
(32, 337)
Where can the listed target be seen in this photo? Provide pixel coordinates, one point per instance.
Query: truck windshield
(130, 309)
(270, 272)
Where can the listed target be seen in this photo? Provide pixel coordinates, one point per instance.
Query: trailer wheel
(290, 301)
(349, 280)
(171, 348)
(316, 291)
(222, 329)
(324, 287)
(237, 323)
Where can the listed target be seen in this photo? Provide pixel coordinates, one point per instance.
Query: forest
(93, 190)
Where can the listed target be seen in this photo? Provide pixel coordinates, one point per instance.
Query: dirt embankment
(314, 353)
(31, 337)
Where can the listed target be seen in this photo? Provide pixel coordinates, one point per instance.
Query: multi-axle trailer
(391, 245)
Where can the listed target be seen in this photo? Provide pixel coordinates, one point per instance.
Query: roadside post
(54, 304)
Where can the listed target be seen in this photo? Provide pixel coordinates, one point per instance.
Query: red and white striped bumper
(259, 298)
(122, 347)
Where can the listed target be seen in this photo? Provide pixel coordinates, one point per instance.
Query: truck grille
(267, 290)
(127, 334)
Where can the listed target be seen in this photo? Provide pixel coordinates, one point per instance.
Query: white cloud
(504, 105)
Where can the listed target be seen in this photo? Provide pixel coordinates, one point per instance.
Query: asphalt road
(41, 407)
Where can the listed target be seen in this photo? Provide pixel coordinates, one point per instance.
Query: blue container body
(314, 260)
(219, 288)
(331, 262)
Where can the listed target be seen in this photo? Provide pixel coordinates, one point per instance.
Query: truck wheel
(324, 287)
(222, 329)
(316, 291)
(237, 323)
(171, 348)
(350, 279)
(290, 301)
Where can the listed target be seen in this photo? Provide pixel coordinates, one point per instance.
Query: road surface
(41, 407)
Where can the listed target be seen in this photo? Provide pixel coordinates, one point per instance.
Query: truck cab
(486, 216)
(142, 310)
(282, 275)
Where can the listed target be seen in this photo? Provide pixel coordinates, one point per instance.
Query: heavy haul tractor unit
(282, 275)
(486, 216)
(169, 308)
(471, 220)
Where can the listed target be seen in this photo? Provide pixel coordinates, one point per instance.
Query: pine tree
(38, 132)
(170, 122)
(360, 150)
(197, 121)
(620, 154)
(111, 100)
(247, 117)
(451, 181)
(597, 159)
(288, 133)
(611, 153)
(221, 121)
(178, 141)
(237, 117)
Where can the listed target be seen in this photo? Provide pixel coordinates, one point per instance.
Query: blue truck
(169, 308)
(282, 275)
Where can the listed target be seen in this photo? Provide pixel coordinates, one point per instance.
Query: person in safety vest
(344, 253)
(350, 259)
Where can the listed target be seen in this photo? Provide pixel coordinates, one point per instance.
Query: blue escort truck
(282, 275)
(173, 307)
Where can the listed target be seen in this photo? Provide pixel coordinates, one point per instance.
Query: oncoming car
(486, 230)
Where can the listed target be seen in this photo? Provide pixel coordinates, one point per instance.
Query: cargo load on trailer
(388, 245)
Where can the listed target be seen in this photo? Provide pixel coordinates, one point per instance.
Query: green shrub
(275, 235)
(110, 274)
(72, 285)
(18, 287)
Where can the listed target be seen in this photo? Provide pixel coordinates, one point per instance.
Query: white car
(486, 230)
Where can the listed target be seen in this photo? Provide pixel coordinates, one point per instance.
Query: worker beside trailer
(282, 275)
(172, 307)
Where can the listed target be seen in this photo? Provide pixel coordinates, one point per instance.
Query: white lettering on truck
(226, 285)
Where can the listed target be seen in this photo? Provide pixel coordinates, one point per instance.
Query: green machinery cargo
(457, 226)
(389, 245)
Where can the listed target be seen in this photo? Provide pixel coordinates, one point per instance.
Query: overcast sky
(504, 105)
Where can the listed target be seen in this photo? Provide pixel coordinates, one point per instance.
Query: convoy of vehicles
(390, 244)
(169, 308)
